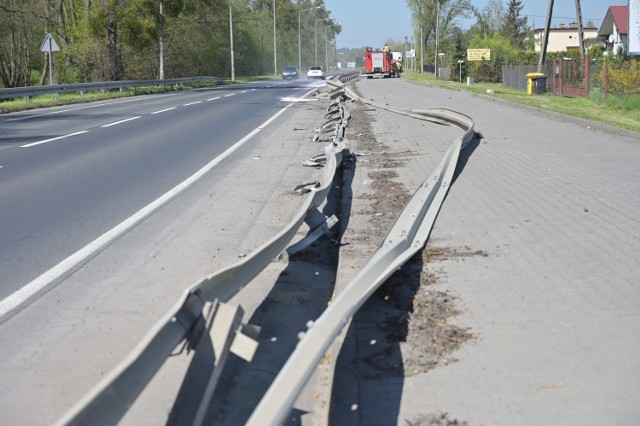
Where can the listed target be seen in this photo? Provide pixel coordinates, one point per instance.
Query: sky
(371, 23)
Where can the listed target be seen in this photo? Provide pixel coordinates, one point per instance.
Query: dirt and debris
(435, 420)
(419, 315)
(412, 313)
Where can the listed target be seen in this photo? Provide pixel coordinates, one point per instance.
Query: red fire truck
(380, 64)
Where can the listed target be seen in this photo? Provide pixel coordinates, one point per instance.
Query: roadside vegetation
(618, 110)
(50, 100)
(614, 86)
(111, 40)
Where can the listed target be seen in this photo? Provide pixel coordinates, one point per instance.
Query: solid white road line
(75, 260)
(53, 139)
(121, 121)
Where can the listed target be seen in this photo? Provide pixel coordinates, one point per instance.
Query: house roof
(565, 29)
(618, 15)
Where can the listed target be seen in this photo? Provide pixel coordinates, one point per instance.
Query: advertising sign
(478, 54)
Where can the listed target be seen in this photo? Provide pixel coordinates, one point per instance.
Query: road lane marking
(192, 103)
(116, 102)
(53, 139)
(80, 257)
(213, 99)
(163, 110)
(230, 94)
(120, 122)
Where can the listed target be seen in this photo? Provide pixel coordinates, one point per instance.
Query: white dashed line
(53, 139)
(163, 110)
(81, 256)
(121, 121)
(213, 99)
(230, 94)
(192, 103)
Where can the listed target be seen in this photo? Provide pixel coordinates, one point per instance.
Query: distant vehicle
(383, 64)
(290, 72)
(315, 71)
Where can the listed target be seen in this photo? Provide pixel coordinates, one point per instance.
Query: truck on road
(382, 63)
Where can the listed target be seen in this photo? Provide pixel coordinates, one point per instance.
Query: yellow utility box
(532, 84)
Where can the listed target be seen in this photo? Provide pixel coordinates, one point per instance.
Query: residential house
(564, 37)
(615, 28)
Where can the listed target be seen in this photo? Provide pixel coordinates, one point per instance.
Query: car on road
(315, 71)
(290, 72)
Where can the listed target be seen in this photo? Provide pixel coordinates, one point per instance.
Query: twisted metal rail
(213, 329)
(407, 236)
(203, 320)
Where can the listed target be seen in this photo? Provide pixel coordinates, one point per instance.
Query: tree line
(108, 40)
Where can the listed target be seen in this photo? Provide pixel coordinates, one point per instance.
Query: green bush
(624, 78)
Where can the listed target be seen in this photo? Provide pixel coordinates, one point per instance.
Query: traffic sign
(49, 44)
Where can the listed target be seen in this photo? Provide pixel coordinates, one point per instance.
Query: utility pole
(233, 70)
(435, 62)
(161, 40)
(580, 29)
(421, 37)
(545, 38)
(275, 54)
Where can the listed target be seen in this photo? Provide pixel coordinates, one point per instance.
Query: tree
(104, 40)
(459, 54)
(489, 20)
(429, 14)
(16, 40)
(514, 26)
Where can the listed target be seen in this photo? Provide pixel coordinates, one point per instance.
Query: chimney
(561, 25)
(573, 25)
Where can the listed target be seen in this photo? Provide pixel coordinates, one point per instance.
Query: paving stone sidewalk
(553, 306)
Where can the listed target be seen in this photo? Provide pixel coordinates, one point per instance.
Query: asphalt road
(70, 174)
(59, 343)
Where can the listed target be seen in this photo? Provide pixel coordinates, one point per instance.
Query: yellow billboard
(478, 54)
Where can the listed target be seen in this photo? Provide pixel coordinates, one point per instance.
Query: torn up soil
(411, 312)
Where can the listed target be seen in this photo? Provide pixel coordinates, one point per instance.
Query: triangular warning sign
(49, 44)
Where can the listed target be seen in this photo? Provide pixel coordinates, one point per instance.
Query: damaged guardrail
(203, 320)
(407, 236)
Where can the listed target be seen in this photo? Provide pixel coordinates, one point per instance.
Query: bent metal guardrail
(209, 326)
(407, 236)
(19, 92)
(213, 328)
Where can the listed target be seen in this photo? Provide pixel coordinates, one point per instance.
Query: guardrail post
(217, 338)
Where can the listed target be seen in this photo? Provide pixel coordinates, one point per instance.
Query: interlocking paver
(554, 306)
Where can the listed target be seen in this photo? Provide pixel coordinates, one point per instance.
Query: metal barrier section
(407, 236)
(212, 329)
(204, 321)
(19, 92)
